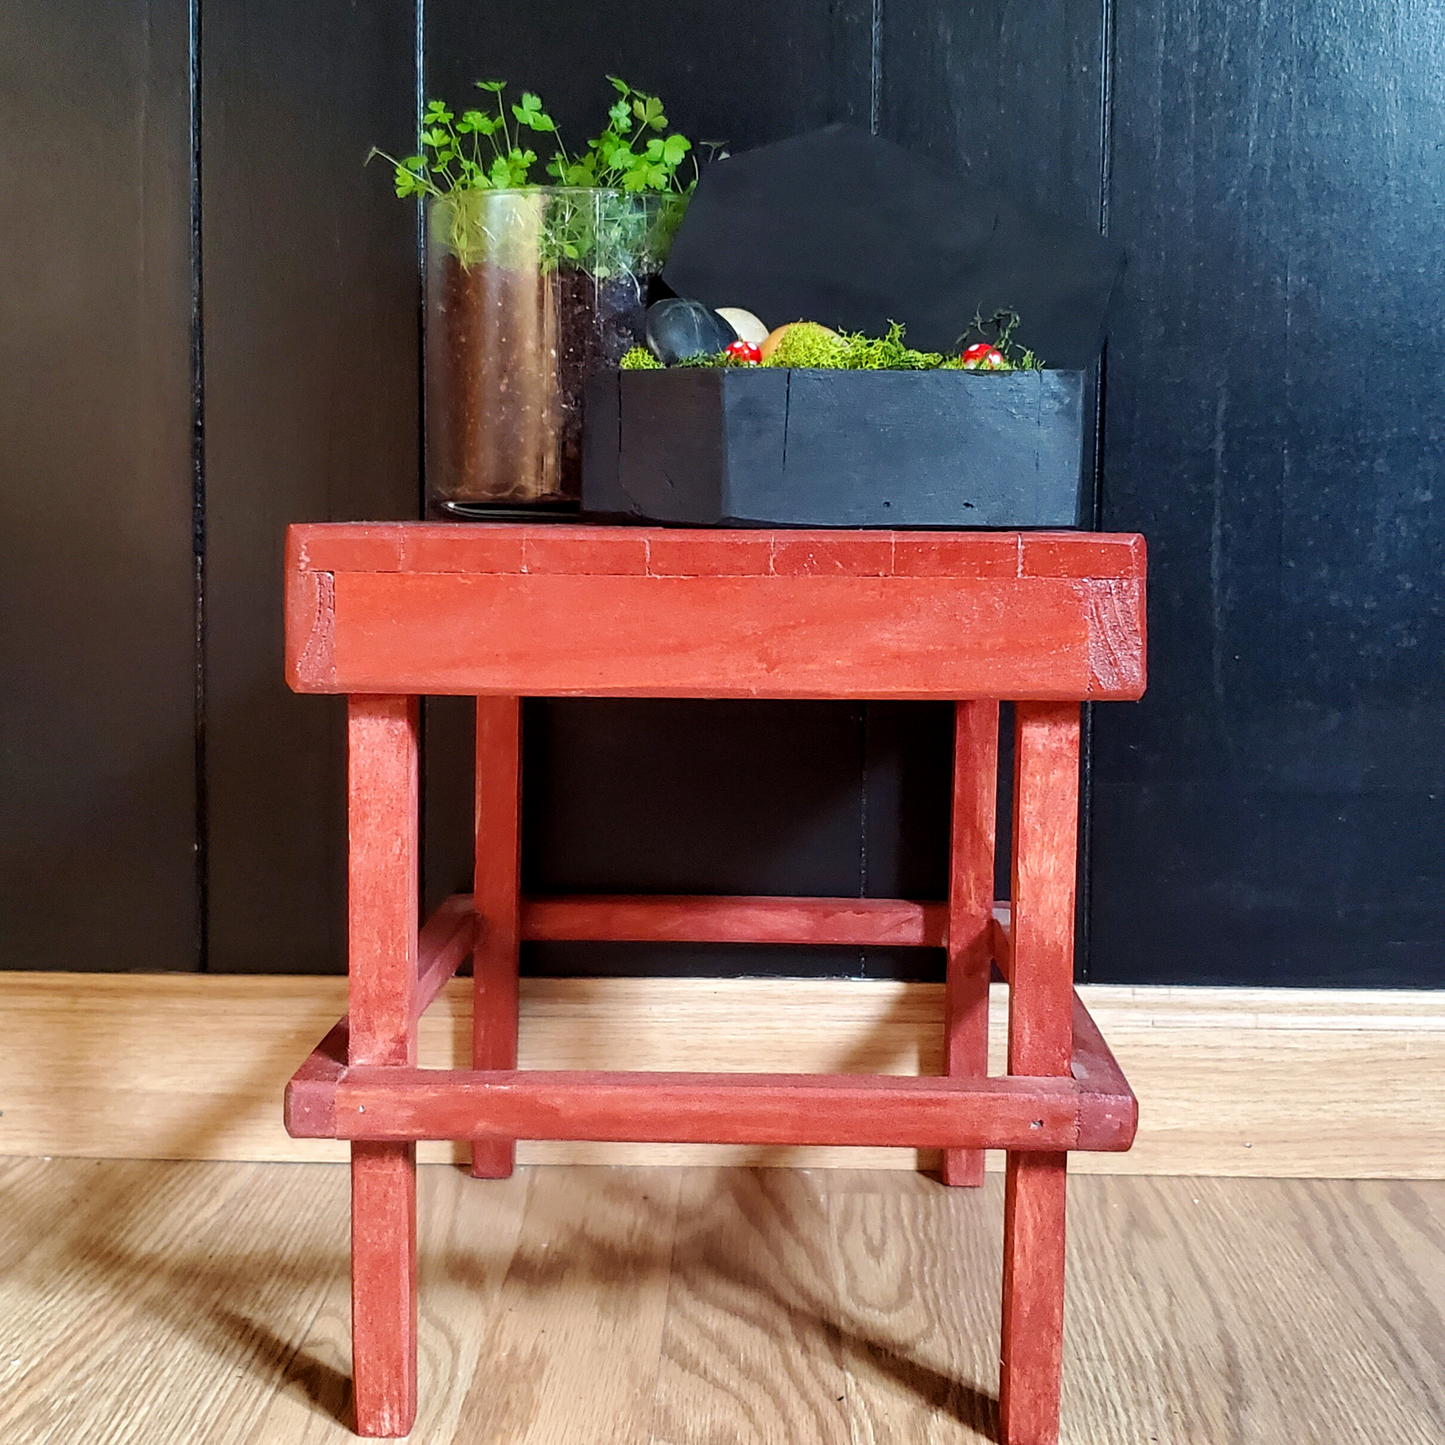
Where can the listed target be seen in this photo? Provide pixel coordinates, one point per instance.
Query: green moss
(888, 353)
(716, 359)
(810, 345)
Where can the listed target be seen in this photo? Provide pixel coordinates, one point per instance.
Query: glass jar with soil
(528, 292)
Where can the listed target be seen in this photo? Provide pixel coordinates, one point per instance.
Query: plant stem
(502, 115)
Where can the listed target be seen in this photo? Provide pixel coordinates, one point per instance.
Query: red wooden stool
(385, 613)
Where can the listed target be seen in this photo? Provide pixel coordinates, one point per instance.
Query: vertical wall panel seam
(1083, 964)
(875, 101)
(198, 491)
(875, 67)
(418, 108)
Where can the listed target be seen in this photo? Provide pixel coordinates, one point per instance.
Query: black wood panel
(743, 73)
(311, 413)
(1272, 812)
(694, 797)
(637, 796)
(1007, 94)
(97, 774)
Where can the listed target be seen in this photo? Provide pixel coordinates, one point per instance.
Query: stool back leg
(970, 909)
(1041, 984)
(382, 904)
(497, 890)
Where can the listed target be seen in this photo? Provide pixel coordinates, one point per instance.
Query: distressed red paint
(388, 612)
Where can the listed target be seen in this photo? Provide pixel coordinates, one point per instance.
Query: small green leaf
(531, 101)
(495, 86)
(675, 148)
(437, 110)
(654, 149)
(621, 85)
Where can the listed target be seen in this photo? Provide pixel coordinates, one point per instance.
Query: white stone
(747, 326)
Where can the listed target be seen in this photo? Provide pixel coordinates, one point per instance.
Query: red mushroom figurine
(746, 352)
(982, 356)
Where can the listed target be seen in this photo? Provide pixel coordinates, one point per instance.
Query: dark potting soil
(509, 352)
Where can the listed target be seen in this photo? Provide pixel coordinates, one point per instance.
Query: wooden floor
(208, 1302)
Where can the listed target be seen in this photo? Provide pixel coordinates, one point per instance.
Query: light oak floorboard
(192, 1302)
(576, 1336)
(751, 1353)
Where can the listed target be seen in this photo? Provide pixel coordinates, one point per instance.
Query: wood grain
(205, 1304)
(383, 871)
(1250, 1082)
(582, 550)
(1041, 973)
(751, 1351)
(470, 1236)
(584, 611)
(580, 1314)
(918, 1282)
(553, 635)
(727, 1108)
(970, 909)
(714, 919)
(497, 893)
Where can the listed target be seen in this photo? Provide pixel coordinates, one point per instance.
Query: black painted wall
(311, 396)
(1269, 416)
(1274, 811)
(97, 655)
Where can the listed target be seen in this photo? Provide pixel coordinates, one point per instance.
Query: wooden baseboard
(1262, 1082)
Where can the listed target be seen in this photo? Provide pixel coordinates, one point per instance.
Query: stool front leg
(382, 904)
(1041, 982)
(497, 890)
(970, 909)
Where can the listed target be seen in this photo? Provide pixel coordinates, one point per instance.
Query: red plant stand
(387, 613)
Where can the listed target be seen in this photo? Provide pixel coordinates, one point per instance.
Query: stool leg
(382, 908)
(383, 1286)
(970, 909)
(1041, 983)
(497, 889)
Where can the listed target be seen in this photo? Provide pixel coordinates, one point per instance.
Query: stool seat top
(581, 550)
(562, 609)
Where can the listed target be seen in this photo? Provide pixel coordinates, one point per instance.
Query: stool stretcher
(1093, 1110)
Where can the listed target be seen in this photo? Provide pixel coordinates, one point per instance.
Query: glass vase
(528, 292)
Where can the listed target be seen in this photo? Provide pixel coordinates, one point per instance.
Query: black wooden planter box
(772, 447)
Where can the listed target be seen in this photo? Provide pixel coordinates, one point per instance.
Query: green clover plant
(465, 156)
